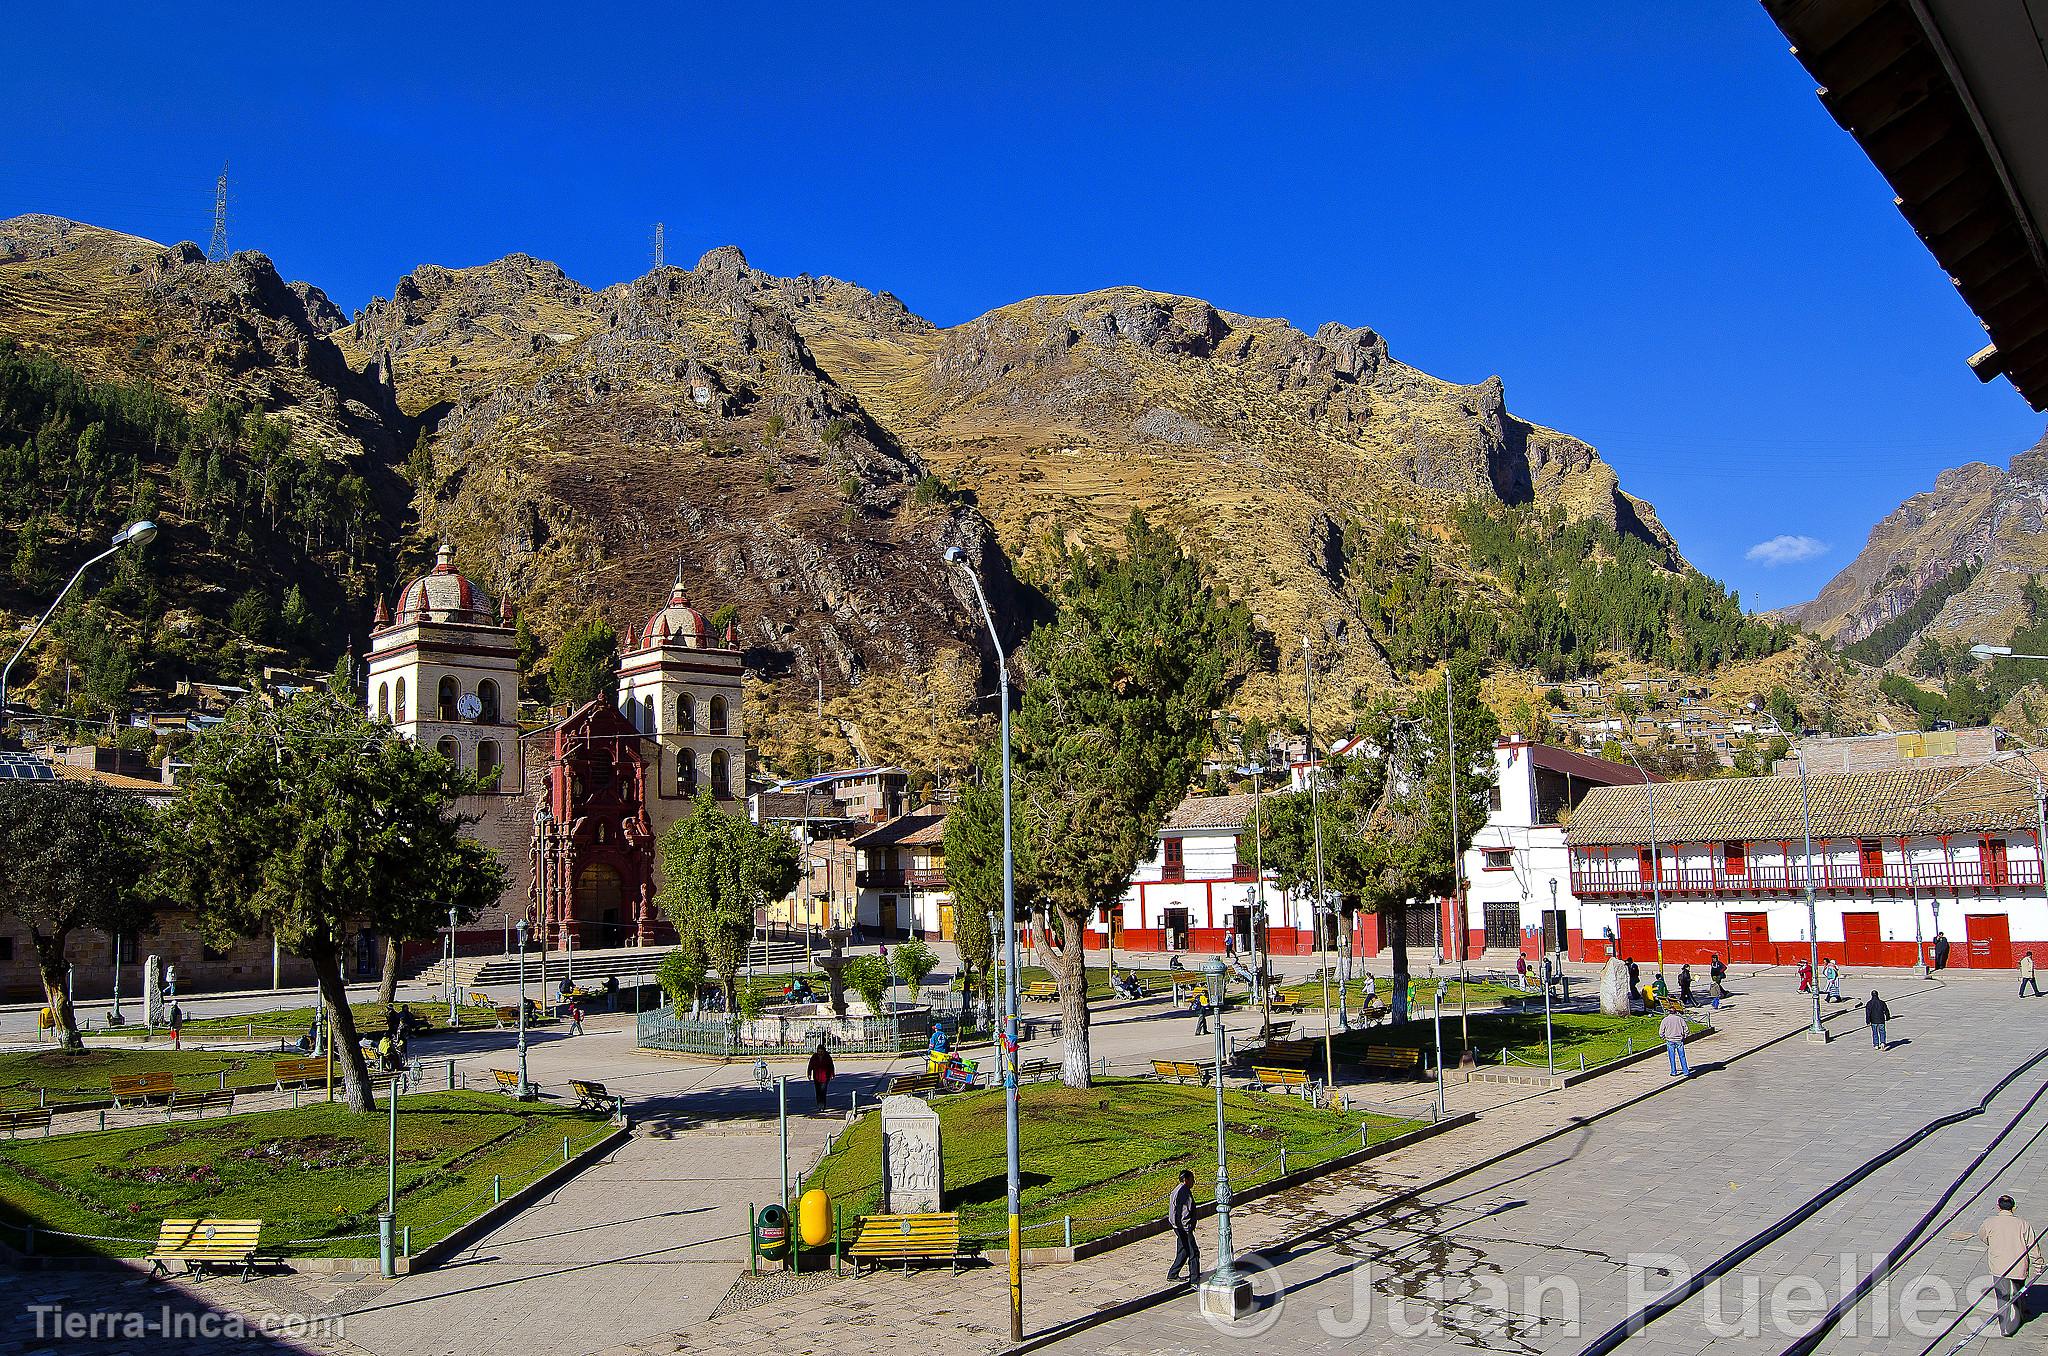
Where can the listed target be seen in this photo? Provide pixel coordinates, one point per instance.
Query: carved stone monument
(913, 1168)
(153, 993)
(834, 966)
(1615, 998)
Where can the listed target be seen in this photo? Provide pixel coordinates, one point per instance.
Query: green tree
(1110, 733)
(719, 870)
(310, 821)
(681, 975)
(297, 618)
(1386, 813)
(77, 855)
(585, 664)
(912, 961)
(868, 977)
(974, 865)
(251, 617)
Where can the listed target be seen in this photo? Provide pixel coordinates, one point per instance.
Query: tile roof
(1881, 804)
(791, 805)
(1211, 812)
(925, 825)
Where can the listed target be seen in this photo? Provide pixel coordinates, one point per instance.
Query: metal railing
(725, 1038)
(1626, 876)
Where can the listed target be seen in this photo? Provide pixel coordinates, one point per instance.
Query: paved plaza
(636, 1253)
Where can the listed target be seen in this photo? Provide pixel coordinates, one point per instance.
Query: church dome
(442, 594)
(677, 623)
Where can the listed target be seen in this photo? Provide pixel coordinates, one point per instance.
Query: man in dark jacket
(1875, 1015)
(1635, 983)
(1940, 951)
(1180, 1217)
(821, 1071)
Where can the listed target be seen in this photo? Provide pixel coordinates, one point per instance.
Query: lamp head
(136, 533)
(955, 556)
(1212, 974)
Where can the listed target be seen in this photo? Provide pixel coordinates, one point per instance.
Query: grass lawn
(1098, 978)
(1599, 1038)
(1107, 1155)
(1480, 993)
(293, 1022)
(83, 1077)
(316, 1173)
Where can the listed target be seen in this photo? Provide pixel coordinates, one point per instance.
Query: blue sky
(1638, 215)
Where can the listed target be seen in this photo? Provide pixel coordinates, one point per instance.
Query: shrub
(834, 431)
(912, 961)
(680, 976)
(868, 977)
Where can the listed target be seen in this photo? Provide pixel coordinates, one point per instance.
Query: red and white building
(1193, 892)
(1899, 856)
(1518, 880)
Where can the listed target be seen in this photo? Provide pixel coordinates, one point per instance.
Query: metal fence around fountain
(661, 1029)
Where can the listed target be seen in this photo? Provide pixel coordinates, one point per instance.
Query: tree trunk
(1396, 920)
(341, 1030)
(387, 983)
(50, 966)
(1070, 969)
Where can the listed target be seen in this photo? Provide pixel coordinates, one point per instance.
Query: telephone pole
(217, 248)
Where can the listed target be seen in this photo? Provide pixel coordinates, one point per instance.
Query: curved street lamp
(1007, 1042)
(136, 533)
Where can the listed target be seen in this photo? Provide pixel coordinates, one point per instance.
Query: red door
(1863, 944)
(1990, 941)
(1636, 935)
(1749, 938)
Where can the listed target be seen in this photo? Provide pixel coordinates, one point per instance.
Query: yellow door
(945, 922)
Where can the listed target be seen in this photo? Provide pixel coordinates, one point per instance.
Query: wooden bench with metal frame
(1044, 990)
(221, 1100)
(592, 1096)
(307, 1072)
(1293, 1080)
(147, 1089)
(206, 1243)
(1395, 1058)
(18, 1121)
(1181, 1071)
(508, 1081)
(924, 1084)
(907, 1239)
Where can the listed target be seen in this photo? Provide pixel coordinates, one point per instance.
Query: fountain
(834, 966)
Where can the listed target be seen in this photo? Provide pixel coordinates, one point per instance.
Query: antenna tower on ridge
(657, 245)
(217, 248)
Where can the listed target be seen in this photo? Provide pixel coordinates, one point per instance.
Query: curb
(427, 1258)
(1292, 1243)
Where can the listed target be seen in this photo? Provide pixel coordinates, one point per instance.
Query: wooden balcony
(1625, 876)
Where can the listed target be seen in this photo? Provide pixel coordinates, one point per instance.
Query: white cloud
(1785, 550)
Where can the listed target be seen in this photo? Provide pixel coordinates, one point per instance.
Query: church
(573, 809)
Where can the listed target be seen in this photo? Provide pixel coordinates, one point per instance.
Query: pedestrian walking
(1941, 951)
(170, 981)
(1201, 1016)
(1805, 976)
(1831, 980)
(1522, 972)
(611, 992)
(1717, 975)
(821, 1071)
(1685, 985)
(2027, 980)
(1672, 1029)
(2013, 1254)
(575, 1019)
(1875, 1015)
(1180, 1217)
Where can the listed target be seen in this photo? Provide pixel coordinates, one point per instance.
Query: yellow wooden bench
(507, 1016)
(1398, 1058)
(592, 1096)
(221, 1100)
(1267, 1076)
(204, 1243)
(142, 1089)
(907, 1239)
(508, 1081)
(916, 1084)
(1045, 990)
(18, 1121)
(299, 1073)
(1181, 1070)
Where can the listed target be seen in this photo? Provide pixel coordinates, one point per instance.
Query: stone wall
(243, 965)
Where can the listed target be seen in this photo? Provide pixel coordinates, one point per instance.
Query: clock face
(469, 707)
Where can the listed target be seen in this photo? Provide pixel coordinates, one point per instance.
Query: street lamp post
(450, 976)
(1438, 1018)
(1563, 979)
(1007, 1055)
(1315, 814)
(1814, 1032)
(1225, 1293)
(521, 930)
(114, 1018)
(135, 534)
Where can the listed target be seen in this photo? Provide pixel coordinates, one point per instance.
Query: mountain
(1949, 564)
(804, 450)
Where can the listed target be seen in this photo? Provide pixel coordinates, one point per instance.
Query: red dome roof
(677, 623)
(444, 595)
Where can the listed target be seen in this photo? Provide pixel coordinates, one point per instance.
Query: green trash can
(771, 1231)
